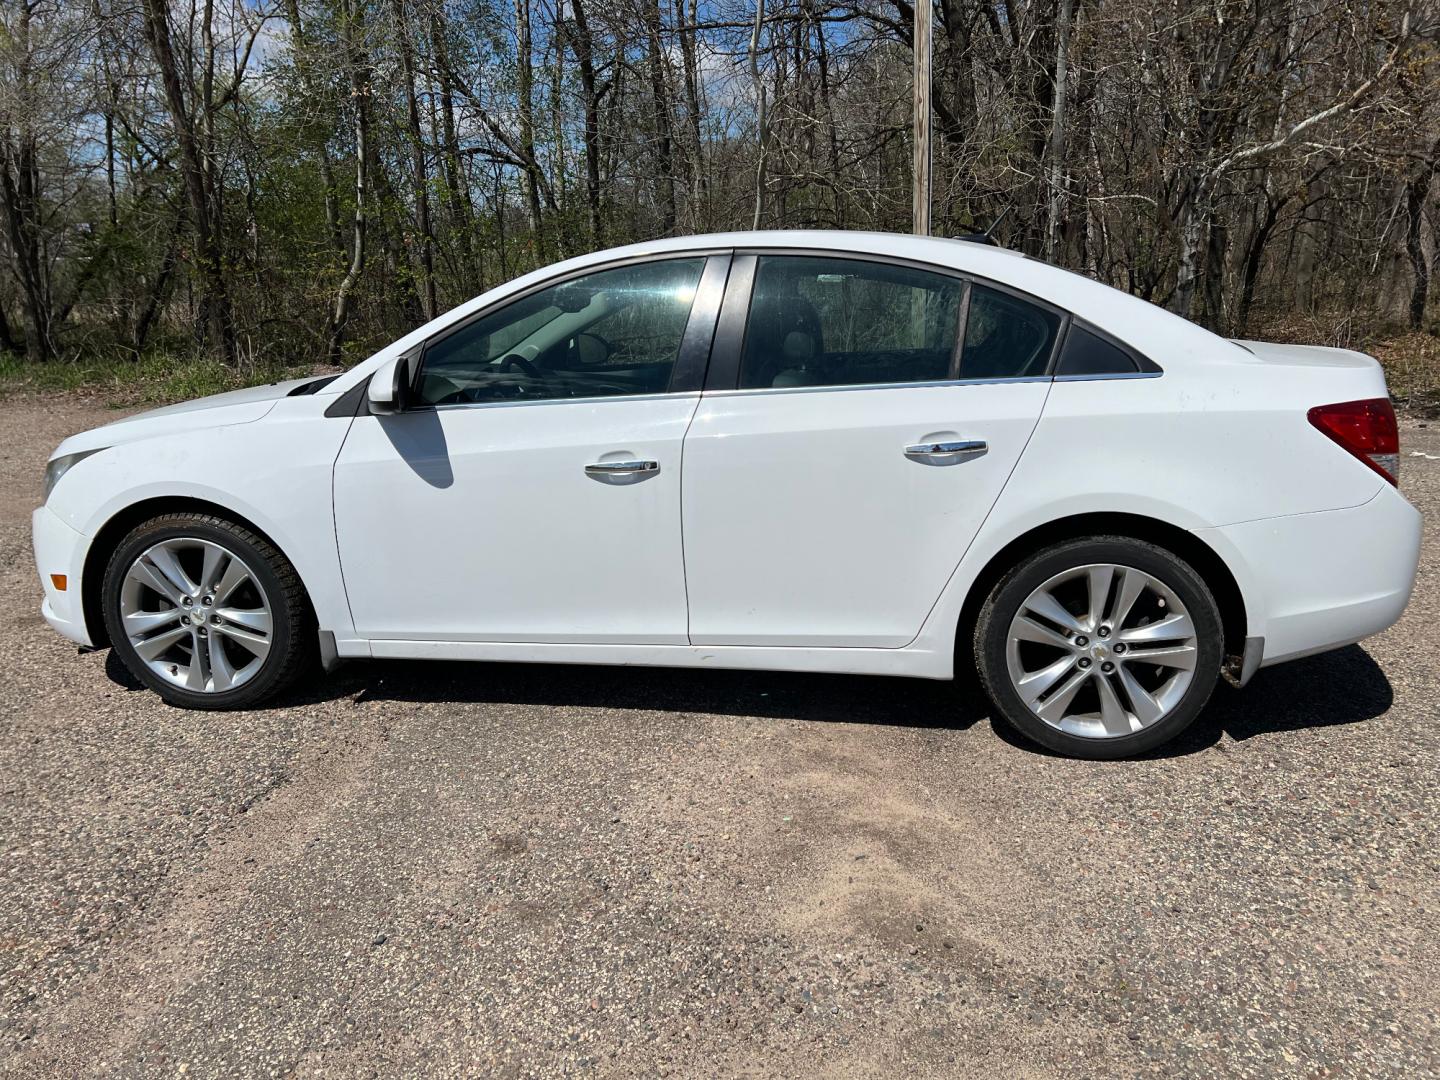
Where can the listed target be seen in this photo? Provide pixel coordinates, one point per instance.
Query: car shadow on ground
(1342, 687)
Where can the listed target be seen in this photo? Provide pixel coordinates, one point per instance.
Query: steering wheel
(515, 360)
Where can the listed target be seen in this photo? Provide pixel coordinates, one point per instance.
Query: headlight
(59, 466)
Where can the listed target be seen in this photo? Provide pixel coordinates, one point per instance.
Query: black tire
(293, 636)
(992, 628)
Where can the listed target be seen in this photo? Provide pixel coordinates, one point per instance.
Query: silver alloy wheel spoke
(1172, 627)
(155, 580)
(1029, 630)
(1147, 709)
(1176, 656)
(258, 621)
(257, 644)
(236, 575)
(163, 559)
(1101, 578)
(1132, 584)
(1056, 704)
(222, 674)
(142, 623)
(1047, 607)
(215, 557)
(1033, 686)
(196, 615)
(1102, 651)
(151, 648)
(1112, 714)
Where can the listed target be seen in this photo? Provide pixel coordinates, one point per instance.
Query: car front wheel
(1101, 647)
(205, 612)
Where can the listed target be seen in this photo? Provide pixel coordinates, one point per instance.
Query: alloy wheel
(196, 615)
(1101, 651)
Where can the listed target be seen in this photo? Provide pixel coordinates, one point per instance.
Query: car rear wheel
(205, 612)
(1101, 647)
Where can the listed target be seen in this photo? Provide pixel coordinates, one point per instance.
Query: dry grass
(1412, 367)
(154, 379)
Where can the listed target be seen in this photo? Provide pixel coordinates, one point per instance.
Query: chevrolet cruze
(831, 452)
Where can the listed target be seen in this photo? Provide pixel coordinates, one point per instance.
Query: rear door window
(817, 321)
(1006, 337)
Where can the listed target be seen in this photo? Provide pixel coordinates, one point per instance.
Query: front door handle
(621, 468)
(922, 451)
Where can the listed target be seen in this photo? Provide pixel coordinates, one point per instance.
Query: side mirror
(389, 390)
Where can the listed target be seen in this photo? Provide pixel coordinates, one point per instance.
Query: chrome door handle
(946, 449)
(621, 468)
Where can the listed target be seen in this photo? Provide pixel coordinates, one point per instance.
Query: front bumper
(59, 549)
(1319, 581)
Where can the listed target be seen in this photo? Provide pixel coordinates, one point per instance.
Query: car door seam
(999, 494)
(335, 524)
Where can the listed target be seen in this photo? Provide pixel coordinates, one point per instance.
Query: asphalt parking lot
(460, 870)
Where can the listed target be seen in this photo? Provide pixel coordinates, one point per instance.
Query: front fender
(274, 473)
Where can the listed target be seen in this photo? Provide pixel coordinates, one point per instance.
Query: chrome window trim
(845, 388)
(591, 400)
(1110, 376)
(777, 390)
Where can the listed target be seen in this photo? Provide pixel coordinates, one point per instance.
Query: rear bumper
(59, 549)
(1314, 582)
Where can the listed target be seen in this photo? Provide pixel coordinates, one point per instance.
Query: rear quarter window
(1087, 353)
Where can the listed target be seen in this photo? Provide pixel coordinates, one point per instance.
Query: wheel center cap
(1100, 652)
(198, 616)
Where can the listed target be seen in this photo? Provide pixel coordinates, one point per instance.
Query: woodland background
(236, 186)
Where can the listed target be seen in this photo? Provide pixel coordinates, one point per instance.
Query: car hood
(218, 410)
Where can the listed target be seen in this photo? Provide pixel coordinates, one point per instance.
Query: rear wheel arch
(114, 531)
(1180, 542)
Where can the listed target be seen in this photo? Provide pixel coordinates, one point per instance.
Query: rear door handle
(921, 451)
(621, 468)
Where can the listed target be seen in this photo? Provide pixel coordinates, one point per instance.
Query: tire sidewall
(283, 620)
(992, 635)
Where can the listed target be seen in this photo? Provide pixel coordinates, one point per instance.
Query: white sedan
(838, 452)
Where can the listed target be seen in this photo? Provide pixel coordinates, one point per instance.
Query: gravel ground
(445, 869)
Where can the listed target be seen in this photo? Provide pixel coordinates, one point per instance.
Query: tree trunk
(762, 120)
(685, 18)
(215, 310)
(457, 190)
(663, 116)
(1250, 270)
(583, 45)
(1195, 221)
(156, 296)
(1417, 191)
(530, 166)
(420, 179)
(1055, 148)
(20, 179)
(21, 183)
(300, 46)
(359, 65)
(8, 341)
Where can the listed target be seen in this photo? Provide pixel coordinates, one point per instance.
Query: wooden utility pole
(923, 12)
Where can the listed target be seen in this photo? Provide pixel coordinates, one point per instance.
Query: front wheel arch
(1179, 542)
(109, 536)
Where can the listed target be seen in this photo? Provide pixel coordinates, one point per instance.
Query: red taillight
(1365, 428)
